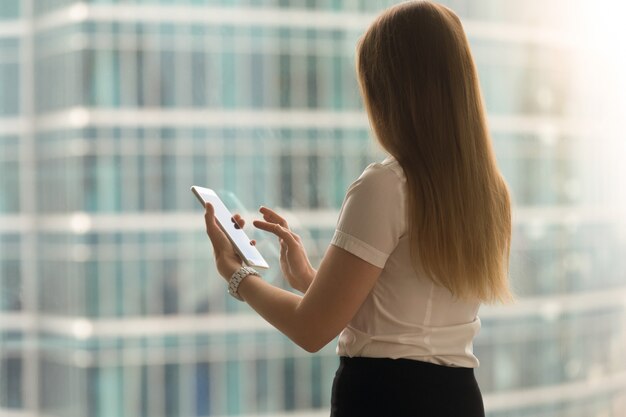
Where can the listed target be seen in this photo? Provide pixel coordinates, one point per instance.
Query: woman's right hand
(293, 259)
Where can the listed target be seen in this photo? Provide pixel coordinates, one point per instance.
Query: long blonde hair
(421, 91)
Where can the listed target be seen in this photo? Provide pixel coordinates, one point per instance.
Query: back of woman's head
(421, 90)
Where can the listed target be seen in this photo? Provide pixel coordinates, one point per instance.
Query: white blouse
(405, 315)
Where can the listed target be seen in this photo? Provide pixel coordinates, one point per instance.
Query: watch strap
(237, 277)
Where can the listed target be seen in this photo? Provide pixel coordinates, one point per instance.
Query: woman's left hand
(226, 259)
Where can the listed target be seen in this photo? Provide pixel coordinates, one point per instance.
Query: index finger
(238, 220)
(277, 229)
(273, 217)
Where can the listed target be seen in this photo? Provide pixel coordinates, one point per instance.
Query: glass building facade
(110, 304)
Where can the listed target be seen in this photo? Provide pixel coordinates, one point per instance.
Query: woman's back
(405, 315)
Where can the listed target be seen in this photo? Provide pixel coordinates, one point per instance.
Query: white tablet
(241, 242)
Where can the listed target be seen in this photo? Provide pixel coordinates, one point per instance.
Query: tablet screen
(238, 237)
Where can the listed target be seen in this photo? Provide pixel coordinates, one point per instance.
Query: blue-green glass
(9, 89)
(10, 9)
(228, 86)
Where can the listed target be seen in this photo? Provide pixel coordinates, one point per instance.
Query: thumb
(217, 236)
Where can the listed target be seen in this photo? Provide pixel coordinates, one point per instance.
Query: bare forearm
(308, 281)
(278, 307)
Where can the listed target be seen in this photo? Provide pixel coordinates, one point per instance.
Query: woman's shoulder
(384, 181)
(387, 170)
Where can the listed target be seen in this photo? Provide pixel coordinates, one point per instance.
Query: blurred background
(110, 305)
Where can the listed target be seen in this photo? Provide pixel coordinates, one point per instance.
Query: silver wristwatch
(235, 280)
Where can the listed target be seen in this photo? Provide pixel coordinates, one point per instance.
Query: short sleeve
(371, 219)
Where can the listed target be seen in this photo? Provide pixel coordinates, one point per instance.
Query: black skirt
(382, 387)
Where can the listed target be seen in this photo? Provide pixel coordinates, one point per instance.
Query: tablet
(241, 242)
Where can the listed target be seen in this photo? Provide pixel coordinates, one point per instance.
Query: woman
(422, 239)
